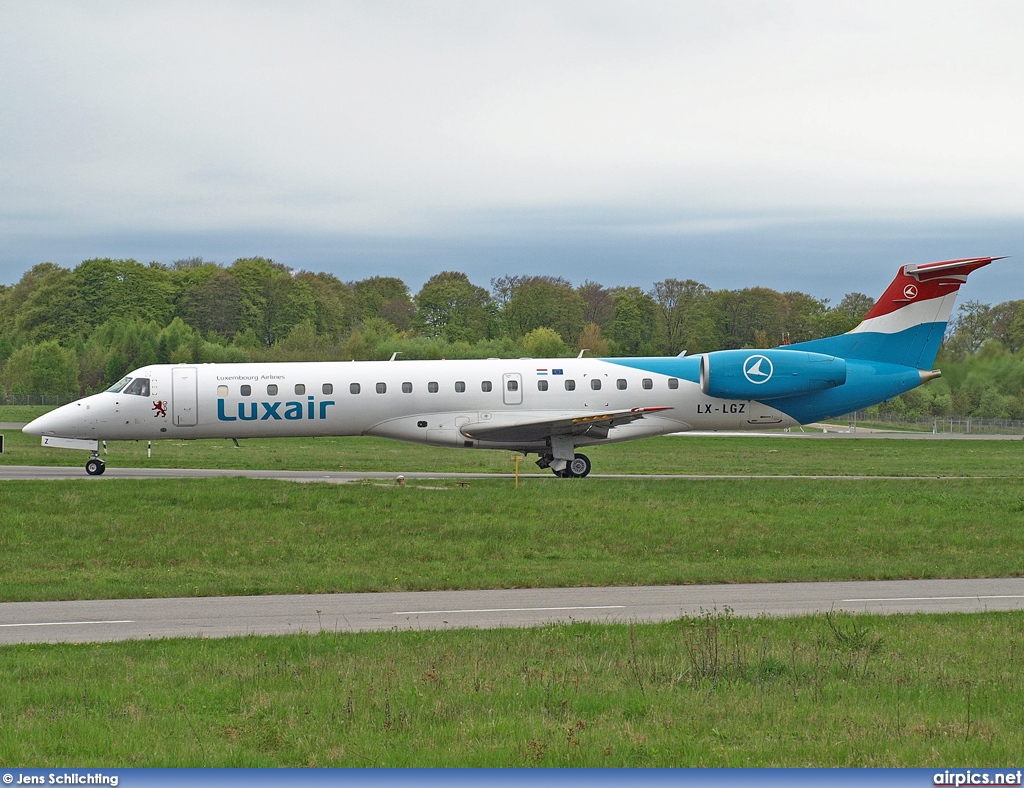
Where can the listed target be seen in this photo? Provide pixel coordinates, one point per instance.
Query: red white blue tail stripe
(907, 324)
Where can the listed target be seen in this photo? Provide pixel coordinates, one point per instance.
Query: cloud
(460, 119)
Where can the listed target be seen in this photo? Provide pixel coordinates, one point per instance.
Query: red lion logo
(160, 408)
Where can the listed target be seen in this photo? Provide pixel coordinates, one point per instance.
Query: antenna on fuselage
(395, 355)
(582, 351)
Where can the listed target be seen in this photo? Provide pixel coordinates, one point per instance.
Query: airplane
(549, 407)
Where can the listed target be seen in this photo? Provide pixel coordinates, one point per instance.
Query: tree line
(67, 332)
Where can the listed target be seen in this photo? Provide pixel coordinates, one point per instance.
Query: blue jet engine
(768, 374)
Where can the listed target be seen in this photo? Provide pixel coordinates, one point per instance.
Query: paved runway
(43, 473)
(127, 619)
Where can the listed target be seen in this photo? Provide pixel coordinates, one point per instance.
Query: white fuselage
(438, 402)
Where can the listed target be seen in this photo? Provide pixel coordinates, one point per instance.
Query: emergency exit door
(512, 388)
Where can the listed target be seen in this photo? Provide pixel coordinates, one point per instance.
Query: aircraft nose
(44, 425)
(61, 422)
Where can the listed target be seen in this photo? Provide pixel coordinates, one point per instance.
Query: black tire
(579, 465)
(95, 467)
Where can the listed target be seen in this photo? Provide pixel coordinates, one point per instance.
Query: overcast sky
(798, 145)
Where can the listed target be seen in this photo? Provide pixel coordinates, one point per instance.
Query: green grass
(938, 691)
(715, 691)
(22, 414)
(127, 538)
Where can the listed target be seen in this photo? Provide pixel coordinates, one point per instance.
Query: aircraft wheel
(95, 467)
(579, 465)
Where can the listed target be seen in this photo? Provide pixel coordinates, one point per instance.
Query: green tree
(544, 301)
(333, 303)
(116, 347)
(969, 329)
(592, 341)
(544, 342)
(1007, 324)
(804, 317)
(177, 343)
(636, 325)
(45, 368)
(273, 301)
(847, 314)
(687, 319)
(386, 297)
(210, 299)
(453, 308)
(752, 317)
(44, 305)
(598, 306)
(123, 289)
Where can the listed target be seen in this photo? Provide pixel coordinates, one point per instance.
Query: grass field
(939, 691)
(128, 538)
(715, 691)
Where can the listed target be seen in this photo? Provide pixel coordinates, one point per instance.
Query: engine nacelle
(768, 374)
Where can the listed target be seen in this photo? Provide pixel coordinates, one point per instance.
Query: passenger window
(512, 385)
(460, 386)
(327, 388)
(648, 384)
(246, 390)
(485, 385)
(139, 387)
(570, 385)
(673, 383)
(407, 388)
(382, 388)
(432, 387)
(222, 391)
(271, 390)
(353, 388)
(620, 384)
(595, 384)
(542, 385)
(300, 388)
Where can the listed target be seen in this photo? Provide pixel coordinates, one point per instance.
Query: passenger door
(183, 397)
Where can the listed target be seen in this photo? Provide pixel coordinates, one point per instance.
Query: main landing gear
(577, 467)
(95, 466)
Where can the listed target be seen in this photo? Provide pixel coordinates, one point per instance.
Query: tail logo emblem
(758, 369)
(910, 291)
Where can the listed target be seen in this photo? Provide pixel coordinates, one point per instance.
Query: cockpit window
(120, 384)
(139, 386)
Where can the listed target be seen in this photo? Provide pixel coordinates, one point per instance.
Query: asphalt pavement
(130, 619)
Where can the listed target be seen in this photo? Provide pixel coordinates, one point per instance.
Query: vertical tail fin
(907, 324)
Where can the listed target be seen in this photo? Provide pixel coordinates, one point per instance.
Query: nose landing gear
(95, 466)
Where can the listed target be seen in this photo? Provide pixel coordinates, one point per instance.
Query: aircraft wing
(589, 423)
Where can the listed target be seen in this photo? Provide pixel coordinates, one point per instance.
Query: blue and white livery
(548, 407)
